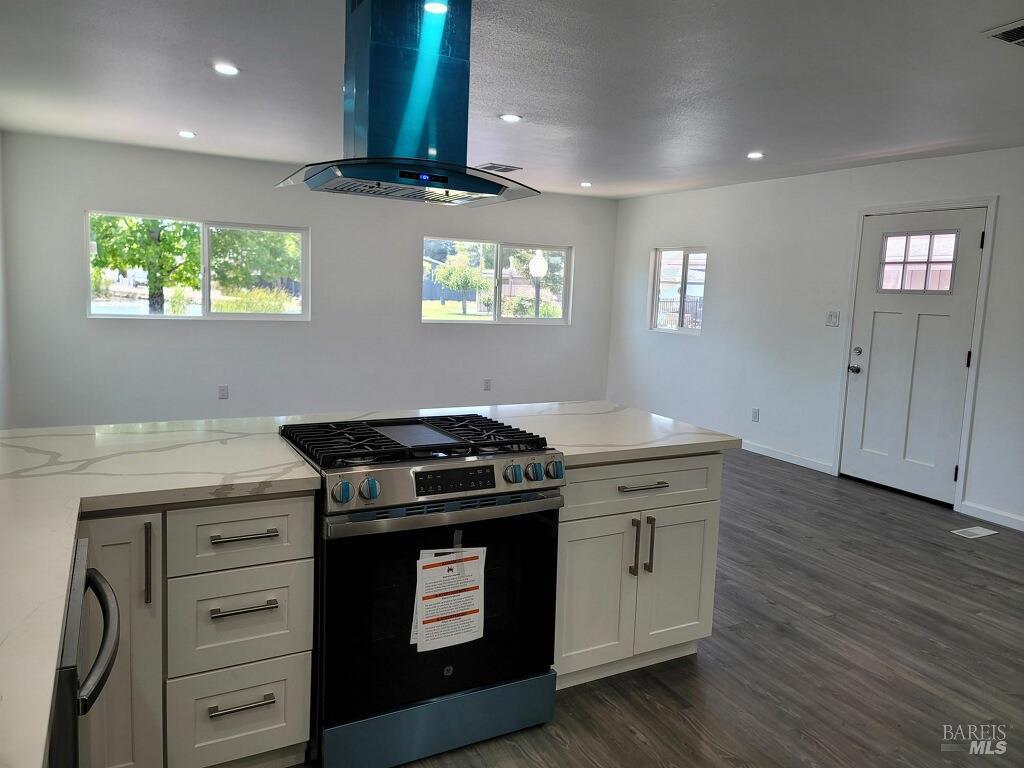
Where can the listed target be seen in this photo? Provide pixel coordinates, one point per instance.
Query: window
(471, 281)
(156, 267)
(678, 292)
(917, 262)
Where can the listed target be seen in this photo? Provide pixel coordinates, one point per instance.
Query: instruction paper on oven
(449, 600)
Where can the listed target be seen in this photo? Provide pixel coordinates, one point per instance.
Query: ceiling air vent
(1009, 33)
(499, 167)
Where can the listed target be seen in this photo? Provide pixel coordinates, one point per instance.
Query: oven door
(368, 582)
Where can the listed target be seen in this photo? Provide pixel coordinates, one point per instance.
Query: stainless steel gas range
(395, 492)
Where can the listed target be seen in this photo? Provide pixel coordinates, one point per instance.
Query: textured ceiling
(635, 97)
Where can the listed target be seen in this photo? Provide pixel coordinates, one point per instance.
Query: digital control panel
(454, 480)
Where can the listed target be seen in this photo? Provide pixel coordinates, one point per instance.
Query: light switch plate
(832, 318)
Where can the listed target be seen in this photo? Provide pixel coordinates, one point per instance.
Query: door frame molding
(990, 204)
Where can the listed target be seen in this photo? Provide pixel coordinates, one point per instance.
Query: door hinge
(968, 358)
(982, 245)
(956, 472)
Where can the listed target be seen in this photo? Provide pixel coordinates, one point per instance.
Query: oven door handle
(339, 527)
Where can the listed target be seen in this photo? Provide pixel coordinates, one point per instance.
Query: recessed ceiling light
(586, 184)
(432, 151)
(755, 155)
(435, 7)
(225, 68)
(508, 117)
(187, 134)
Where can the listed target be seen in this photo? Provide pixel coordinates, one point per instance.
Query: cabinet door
(596, 600)
(125, 726)
(676, 594)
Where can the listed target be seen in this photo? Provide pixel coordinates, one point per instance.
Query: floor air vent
(975, 532)
(1009, 33)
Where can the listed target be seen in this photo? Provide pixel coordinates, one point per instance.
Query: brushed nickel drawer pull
(649, 487)
(270, 533)
(217, 613)
(215, 711)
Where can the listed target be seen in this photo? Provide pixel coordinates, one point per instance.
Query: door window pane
(892, 277)
(918, 250)
(895, 247)
(532, 282)
(255, 271)
(940, 276)
(943, 247)
(913, 278)
(144, 266)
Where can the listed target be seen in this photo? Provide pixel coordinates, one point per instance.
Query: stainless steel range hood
(407, 109)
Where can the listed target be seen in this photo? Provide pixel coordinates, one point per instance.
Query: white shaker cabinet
(125, 726)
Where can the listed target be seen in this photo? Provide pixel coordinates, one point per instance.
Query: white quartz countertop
(49, 476)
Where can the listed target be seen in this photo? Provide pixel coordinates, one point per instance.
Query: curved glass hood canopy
(407, 109)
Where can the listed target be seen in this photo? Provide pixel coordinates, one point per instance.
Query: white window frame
(205, 277)
(496, 318)
(927, 262)
(654, 282)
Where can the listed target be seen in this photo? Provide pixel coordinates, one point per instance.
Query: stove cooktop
(340, 444)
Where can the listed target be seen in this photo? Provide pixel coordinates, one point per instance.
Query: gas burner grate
(333, 445)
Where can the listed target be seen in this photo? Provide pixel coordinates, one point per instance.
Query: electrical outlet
(832, 318)
(222, 392)
(755, 414)
(487, 385)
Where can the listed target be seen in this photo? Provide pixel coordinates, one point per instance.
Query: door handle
(853, 368)
(270, 533)
(97, 676)
(634, 569)
(216, 711)
(649, 565)
(217, 613)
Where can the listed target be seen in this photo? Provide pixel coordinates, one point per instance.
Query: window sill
(506, 321)
(216, 318)
(678, 331)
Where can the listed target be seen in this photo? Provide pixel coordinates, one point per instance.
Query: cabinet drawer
(235, 535)
(237, 712)
(232, 617)
(617, 488)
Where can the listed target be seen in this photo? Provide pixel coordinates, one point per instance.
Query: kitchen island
(50, 478)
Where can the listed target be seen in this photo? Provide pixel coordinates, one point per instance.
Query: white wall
(5, 381)
(781, 254)
(364, 347)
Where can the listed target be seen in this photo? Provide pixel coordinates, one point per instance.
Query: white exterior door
(917, 288)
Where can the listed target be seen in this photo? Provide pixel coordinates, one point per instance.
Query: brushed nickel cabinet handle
(215, 711)
(217, 613)
(649, 565)
(634, 569)
(270, 533)
(649, 487)
(148, 530)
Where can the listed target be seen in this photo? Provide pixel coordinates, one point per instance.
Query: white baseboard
(625, 665)
(992, 515)
(792, 458)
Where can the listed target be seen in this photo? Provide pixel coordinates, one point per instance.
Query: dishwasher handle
(90, 688)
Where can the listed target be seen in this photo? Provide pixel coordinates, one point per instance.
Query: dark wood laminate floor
(849, 626)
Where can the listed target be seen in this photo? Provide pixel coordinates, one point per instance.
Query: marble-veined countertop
(49, 476)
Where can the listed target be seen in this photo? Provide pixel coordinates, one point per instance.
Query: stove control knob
(342, 492)
(514, 473)
(555, 470)
(535, 471)
(369, 489)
